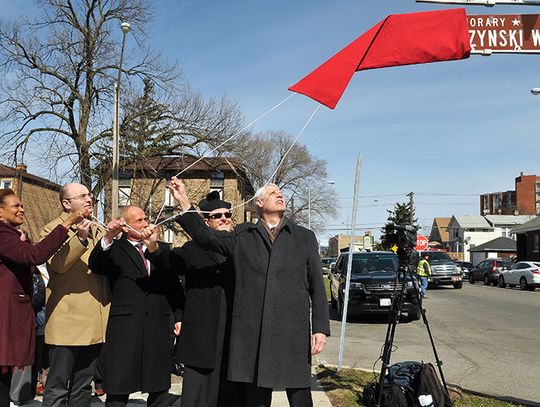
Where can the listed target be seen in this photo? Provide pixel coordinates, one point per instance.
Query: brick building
(145, 185)
(524, 200)
(39, 197)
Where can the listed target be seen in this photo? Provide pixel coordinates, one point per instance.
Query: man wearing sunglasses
(280, 310)
(204, 336)
(77, 306)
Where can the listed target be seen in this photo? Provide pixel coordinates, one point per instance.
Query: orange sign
(504, 33)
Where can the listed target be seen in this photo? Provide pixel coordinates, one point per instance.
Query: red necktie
(139, 247)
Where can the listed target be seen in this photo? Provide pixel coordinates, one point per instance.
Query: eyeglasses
(219, 215)
(81, 196)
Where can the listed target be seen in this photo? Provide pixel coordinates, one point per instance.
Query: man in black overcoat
(144, 294)
(206, 323)
(278, 280)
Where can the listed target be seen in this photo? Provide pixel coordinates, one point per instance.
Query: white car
(526, 274)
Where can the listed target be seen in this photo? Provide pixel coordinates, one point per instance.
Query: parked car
(443, 269)
(526, 274)
(488, 271)
(373, 279)
(465, 268)
(326, 263)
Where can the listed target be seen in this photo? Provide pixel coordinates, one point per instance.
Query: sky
(447, 131)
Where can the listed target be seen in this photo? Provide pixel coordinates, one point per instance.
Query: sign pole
(349, 263)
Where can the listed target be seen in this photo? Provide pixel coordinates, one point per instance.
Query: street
(487, 338)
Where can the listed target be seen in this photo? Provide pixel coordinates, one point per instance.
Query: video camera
(404, 237)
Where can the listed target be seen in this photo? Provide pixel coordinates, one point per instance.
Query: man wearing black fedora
(203, 340)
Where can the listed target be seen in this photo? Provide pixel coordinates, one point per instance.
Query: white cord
(266, 183)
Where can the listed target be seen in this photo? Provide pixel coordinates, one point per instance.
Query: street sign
(421, 243)
(488, 3)
(504, 33)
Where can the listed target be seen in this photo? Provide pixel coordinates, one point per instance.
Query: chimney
(21, 167)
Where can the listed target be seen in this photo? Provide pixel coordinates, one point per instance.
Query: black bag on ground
(392, 396)
(428, 389)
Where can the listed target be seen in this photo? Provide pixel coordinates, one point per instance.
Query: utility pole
(411, 206)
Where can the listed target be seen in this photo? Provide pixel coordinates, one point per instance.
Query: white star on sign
(516, 21)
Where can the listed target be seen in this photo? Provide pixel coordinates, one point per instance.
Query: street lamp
(125, 27)
(535, 91)
(309, 203)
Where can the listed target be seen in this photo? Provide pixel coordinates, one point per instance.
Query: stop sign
(421, 243)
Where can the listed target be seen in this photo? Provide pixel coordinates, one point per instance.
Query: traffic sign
(488, 3)
(504, 33)
(421, 243)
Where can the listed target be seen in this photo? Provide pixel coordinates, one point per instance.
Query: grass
(345, 389)
(327, 286)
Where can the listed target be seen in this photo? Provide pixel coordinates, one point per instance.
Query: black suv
(371, 290)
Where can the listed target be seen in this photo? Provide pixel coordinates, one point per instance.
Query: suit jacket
(77, 299)
(209, 284)
(17, 332)
(138, 349)
(276, 286)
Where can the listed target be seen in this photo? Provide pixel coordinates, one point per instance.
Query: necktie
(139, 247)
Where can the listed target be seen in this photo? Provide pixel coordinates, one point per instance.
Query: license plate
(385, 302)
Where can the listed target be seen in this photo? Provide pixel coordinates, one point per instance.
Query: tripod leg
(393, 320)
(426, 323)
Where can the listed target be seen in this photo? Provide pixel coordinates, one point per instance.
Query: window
(5, 184)
(497, 203)
(217, 182)
(124, 192)
(485, 204)
(169, 200)
(536, 243)
(168, 227)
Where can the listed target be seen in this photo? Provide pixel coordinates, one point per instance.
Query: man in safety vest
(423, 271)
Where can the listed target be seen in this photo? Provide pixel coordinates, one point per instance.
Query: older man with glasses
(77, 306)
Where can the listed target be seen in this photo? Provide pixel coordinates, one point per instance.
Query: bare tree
(58, 87)
(301, 176)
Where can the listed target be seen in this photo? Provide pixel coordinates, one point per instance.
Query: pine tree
(400, 215)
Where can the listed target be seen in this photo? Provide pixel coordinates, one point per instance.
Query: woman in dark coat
(17, 318)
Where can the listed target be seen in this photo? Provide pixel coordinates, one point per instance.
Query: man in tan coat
(77, 307)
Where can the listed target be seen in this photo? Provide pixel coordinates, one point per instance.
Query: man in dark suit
(206, 323)
(277, 277)
(144, 293)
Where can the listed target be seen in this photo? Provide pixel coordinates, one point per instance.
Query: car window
(522, 266)
(537, 264)
(368, 263)
(515, 266)
(437, 256)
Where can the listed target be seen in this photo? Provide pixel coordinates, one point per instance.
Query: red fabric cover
(400, 39)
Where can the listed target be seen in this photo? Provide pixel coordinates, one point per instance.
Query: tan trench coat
(78, 300)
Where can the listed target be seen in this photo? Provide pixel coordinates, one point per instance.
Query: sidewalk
(279, 398)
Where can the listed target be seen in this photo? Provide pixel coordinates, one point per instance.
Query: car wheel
(458, 285)
(502, 284)
(523, 283)
(414, 315)
(486, 280)
(471, 279)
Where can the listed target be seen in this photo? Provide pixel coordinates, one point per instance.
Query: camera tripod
(393, 319)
